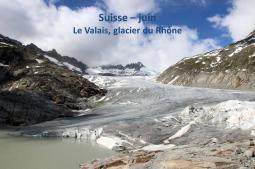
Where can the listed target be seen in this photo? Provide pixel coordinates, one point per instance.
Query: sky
(206, 25)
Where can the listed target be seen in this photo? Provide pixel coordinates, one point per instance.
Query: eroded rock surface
(33, 89)
(210, 156)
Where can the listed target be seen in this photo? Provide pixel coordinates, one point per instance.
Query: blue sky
(193, 14)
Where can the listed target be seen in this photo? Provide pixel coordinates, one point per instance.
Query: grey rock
(249, 153)
(238, 150)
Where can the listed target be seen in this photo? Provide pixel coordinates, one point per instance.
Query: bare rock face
(210, 156)
(138, 158)
(232, 67)
(33, 89)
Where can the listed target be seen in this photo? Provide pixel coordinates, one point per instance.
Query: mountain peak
(131, 69)
(252, 33)
(34, 48)
(54, 52)
(136, 66)
(7, 40)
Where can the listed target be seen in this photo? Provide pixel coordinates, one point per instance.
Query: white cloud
(50, 27)
(159, 51)
(131, 7)
(216, 19)
(240, 20)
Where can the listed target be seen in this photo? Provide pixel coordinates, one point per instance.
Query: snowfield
(231, 114)
(143, 114)
(65, 64)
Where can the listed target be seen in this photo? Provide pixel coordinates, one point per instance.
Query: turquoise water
(41, 153)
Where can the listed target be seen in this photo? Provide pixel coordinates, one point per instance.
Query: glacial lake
(47, 153)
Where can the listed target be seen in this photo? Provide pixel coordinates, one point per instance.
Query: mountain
(232, 67)
(33, 89)
(132, 69)
(55, 57)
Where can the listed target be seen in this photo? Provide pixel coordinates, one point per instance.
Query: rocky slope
(231, 155)
(33, 89)
(64, 61)
(132, 69)
(232, 67)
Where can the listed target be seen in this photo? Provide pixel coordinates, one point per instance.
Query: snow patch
(252, 132)
(101, 99)
(118, 93)
(173, 80)
(37, 66)
(53, 60)
(39, 61)
(110, 142)
(6, 44)
(71, 67)
(158, 147)
(253, 55)
(214, 64)
(181, 132)
(239, 49)
(3, 65)
(68, 65)
(82, 112)
(218, 58)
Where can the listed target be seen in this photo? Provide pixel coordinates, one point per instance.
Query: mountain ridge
(54, 56)
(131, 69)
(231, 67)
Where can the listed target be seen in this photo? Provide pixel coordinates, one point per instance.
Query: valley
(138, 113)
(130, 109)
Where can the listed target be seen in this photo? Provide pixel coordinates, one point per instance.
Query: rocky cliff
(33, 89)
(232, 67)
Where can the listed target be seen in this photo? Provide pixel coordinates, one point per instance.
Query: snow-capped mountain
(65, 61)
(232, 67)
(132, 69)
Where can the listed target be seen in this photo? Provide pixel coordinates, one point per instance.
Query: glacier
(139, 112)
